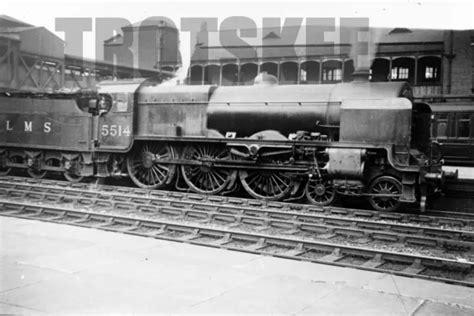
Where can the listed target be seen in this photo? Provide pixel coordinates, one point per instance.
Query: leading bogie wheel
(386, 192)
(145, 169)
(320, 192)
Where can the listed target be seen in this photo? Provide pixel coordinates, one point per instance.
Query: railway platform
(51, 268)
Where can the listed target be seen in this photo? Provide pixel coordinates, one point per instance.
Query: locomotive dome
(264, 78)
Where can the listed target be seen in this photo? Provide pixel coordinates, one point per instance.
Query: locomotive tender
(278, 142)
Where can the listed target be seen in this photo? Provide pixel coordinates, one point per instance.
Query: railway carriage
(452, 128)
(276, 142)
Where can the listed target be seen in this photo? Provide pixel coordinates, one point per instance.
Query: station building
(438, 63)
(33, 59)
(153, 43)
(435, 62)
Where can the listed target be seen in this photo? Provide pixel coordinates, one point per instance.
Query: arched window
(332, 71)
(403, 69)
(230, 75)
(309, 72)
(429, 69)
(270, 68)
(248, 72)
(212, 74)
(380, 69)
(196, 75)
(288, 73)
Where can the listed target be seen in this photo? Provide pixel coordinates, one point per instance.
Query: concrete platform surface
(51, 268)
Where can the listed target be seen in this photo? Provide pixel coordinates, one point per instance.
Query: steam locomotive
(276, 142)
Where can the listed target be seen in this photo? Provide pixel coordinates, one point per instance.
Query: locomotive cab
(114, 109)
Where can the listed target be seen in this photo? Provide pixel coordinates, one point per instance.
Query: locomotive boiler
(276, 142)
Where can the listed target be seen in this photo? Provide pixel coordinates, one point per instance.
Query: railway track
(290, 247)
(291, 231)
(430, 217)
(315, 224)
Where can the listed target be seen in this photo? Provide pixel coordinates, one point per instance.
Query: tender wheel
(206, 178)
(388, 190)
(4, 170)
(320, 193)
(71, 177)
(17, 159)
(144, 169)
(73, 172)
(40, 174)
(266, 184)
(37, 174)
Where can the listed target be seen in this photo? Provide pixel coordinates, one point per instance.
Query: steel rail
(430, 217)
(317, 224)
(430, 268)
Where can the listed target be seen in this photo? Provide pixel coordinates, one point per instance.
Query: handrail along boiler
(276, 142)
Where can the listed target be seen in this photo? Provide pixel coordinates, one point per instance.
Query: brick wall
(462, 63)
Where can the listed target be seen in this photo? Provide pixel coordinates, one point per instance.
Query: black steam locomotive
(277, 142)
